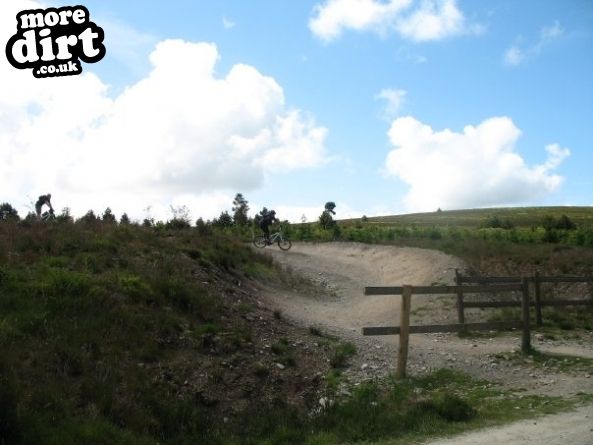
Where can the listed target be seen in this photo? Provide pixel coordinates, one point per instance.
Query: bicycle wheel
(259, 241)
(284, 243)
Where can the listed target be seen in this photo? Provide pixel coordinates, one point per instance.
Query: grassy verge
(400, 412)
(545, 360)
(557, 323)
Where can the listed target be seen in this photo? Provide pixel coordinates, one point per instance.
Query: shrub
(8, 212)
(452, 408)
(341, 353)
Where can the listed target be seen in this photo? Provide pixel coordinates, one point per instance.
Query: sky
(381, 106)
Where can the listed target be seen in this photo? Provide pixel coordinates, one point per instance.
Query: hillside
(123, 334)
(474, 218)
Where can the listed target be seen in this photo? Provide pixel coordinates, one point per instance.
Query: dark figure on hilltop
(43, 200)
(266, 222)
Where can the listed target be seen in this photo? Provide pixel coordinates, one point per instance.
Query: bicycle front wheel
(284, 244)
(259, 241)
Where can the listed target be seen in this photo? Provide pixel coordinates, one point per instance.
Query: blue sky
(381, 106)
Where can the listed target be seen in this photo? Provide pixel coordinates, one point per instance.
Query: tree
(181, 213)
(88, 218)
(202, 227)
(8, 212)
(224, 220)
(240, 209)
(181, 218)
(125, 219)
(326, 220)
(108, 217)
(565, 223)
(65, 216)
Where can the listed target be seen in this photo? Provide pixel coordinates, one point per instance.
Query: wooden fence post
(538, 299)
(404, 332)
(526, 340)
(460, 308)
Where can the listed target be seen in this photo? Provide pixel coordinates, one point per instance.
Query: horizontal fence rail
(444, 328)
(442, 290)
(538, 302)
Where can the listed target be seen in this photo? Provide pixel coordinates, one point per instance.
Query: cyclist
(43, 200)
(266, 222)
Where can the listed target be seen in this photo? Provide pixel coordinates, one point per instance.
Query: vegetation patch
(551, 361)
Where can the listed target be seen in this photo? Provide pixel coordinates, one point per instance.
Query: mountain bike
(278, 237)
(48, 216)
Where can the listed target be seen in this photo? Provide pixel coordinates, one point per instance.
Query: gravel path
(572, 428)
(343, 269)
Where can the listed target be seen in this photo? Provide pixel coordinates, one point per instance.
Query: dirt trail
(342, 270)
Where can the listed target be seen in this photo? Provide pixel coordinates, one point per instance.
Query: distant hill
(473, 218)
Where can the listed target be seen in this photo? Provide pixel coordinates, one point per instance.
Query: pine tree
(240, 209)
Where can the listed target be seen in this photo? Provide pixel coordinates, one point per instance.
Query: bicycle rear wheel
(259, 241)
(284, 244)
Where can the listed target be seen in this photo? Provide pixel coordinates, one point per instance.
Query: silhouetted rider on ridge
(43, 200)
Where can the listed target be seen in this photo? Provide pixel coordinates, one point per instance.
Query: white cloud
(414, 20)
(551, 32)
(360, 15)
(181, 131)
(394, 101)
(515, 55)
(432, 21)
(228, 23)
(476, 168)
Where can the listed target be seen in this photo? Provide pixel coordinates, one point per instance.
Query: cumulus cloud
(517, 54)
(414, 20)
(476, 168)
(182, 130)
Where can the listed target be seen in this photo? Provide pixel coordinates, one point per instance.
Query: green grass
(82, 306)
(545, 360)
(401, 412)
(284, 352)
(556, 322)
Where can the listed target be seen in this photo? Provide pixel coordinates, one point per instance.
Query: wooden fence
(537, 301)
(477, 285)
(404, 329)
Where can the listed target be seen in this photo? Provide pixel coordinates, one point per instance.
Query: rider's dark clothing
(43, 199)
(266, 222)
